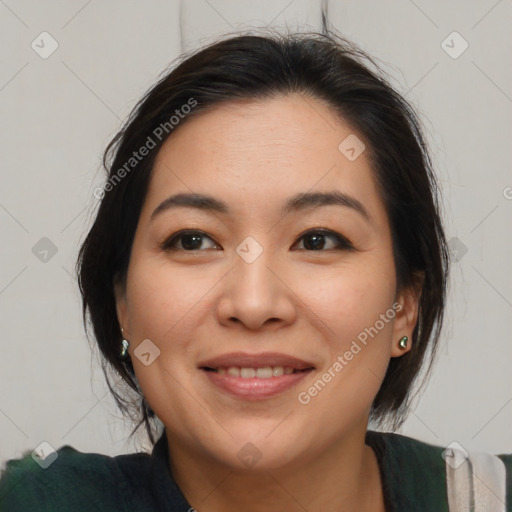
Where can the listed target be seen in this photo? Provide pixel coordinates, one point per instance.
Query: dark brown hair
(325, 67)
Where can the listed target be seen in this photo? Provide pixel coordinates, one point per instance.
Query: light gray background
(59, 113)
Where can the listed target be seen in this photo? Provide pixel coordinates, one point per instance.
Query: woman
(266, 273)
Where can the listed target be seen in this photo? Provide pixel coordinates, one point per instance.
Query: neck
(342, 478)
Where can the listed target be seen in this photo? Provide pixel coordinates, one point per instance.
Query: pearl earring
(124, 349)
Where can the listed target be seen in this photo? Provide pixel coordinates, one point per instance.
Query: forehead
(256, 153)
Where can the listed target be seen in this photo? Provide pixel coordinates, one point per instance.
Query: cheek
(357, 314)
(165, 305)
(164, 300)
(358, 348)
(351, 299)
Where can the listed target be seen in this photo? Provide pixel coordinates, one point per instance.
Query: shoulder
(413, 472)
(451, 456)
(403, 444)
(440, 475)
(72, 481)
(405, 451)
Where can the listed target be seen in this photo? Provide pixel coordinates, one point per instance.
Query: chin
(267, 447)
(259, 457)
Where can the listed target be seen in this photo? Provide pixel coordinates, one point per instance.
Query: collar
(165, 490)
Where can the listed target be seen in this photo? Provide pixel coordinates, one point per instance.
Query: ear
(121, 303)
(407, 308)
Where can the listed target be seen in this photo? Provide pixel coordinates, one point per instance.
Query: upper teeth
(266, 372)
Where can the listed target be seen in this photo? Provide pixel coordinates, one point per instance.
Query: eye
(186, 240)
(315, 240)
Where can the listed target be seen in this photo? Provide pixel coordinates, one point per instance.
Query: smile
(255, 376)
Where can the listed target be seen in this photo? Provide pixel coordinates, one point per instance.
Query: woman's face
(272, 320)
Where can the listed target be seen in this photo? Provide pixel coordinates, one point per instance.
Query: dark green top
(413, 475)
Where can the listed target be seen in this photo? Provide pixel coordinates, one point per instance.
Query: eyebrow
(298, 202)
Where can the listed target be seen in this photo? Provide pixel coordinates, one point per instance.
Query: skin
(292, 299)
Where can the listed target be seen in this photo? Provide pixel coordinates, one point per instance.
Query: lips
(244, 360)
(255, 376)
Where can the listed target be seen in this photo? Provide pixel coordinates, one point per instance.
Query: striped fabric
(476, 482)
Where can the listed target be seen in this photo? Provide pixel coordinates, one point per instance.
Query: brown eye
(186, 240)
(318, 240)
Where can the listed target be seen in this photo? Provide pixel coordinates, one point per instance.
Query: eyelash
(342, 242)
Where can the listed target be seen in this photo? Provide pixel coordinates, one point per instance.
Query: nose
(256, 294)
